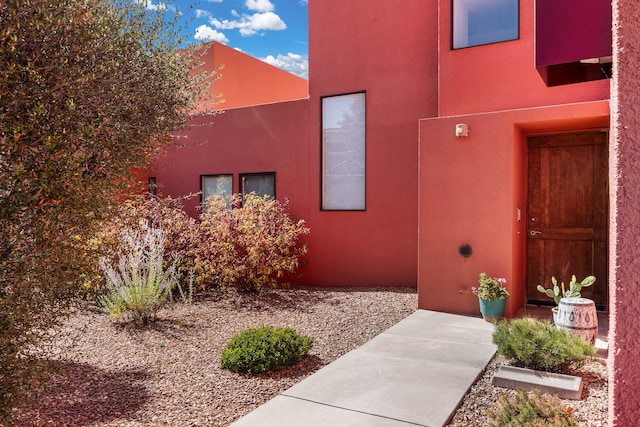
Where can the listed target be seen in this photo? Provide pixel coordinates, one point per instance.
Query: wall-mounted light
(462, 129)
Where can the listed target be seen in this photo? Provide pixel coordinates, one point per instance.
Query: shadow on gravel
(591, 380)
(304, 298)
(81, 395)
(300, 300)
(300, 370)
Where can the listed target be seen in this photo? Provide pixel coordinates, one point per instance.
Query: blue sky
(274, 31)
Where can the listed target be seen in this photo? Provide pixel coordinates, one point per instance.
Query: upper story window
(478, 22)
(343, 152)
(262, 184)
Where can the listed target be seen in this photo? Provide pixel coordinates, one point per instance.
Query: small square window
(479, 22)
(217, 185)
(262, 184)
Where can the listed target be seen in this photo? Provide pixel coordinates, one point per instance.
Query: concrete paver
(285, 411)
(414, 373)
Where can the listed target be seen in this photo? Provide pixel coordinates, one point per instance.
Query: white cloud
(291, 62)
(203, 13)
(208, 34)
(260, 5)
(249, 25)
(148, 4)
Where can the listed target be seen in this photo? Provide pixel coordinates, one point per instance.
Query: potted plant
(558, 292)
(492, 296)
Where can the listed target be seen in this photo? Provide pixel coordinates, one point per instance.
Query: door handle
(535, 232)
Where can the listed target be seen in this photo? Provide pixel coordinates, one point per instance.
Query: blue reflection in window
(478, 22)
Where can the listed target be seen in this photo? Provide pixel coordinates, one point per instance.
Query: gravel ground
(168, 374)
(590, 411)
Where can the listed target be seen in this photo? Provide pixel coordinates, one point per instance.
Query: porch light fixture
(462, 130)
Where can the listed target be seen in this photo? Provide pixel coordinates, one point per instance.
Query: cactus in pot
(559, 292)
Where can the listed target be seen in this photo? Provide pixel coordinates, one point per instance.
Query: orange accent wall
(501, 76)
(244, 80)
(470, 190)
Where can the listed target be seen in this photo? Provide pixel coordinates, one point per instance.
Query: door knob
(535, 232)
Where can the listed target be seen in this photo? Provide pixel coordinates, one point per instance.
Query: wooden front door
(567, 212)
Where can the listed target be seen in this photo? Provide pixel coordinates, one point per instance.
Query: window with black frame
(217, 185)
(480, 22)
(343, 152)
(262, 184)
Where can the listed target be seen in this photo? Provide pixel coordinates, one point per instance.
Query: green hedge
(257, 350)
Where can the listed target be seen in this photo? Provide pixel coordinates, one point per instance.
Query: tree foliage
(89, 89)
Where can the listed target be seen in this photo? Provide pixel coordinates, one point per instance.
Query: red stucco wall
(470, 190)
(242, 140)
(389, 52)
(362, 50)
(624, 264)
(426, 191)
(501, 76)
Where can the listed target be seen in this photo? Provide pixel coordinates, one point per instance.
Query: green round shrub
(263, 349)
(536, 344)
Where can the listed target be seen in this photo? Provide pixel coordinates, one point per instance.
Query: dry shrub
(251, 246)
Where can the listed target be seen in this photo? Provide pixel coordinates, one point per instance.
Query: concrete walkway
(414, 373)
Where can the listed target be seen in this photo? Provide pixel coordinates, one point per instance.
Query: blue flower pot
(492, 310)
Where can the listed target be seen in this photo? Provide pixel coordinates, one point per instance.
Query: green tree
(89, 91)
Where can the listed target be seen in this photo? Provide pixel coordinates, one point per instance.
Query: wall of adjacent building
(624, 259)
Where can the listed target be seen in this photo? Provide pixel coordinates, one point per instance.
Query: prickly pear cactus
(559, 292)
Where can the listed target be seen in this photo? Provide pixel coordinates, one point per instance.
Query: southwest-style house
(437, 139)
